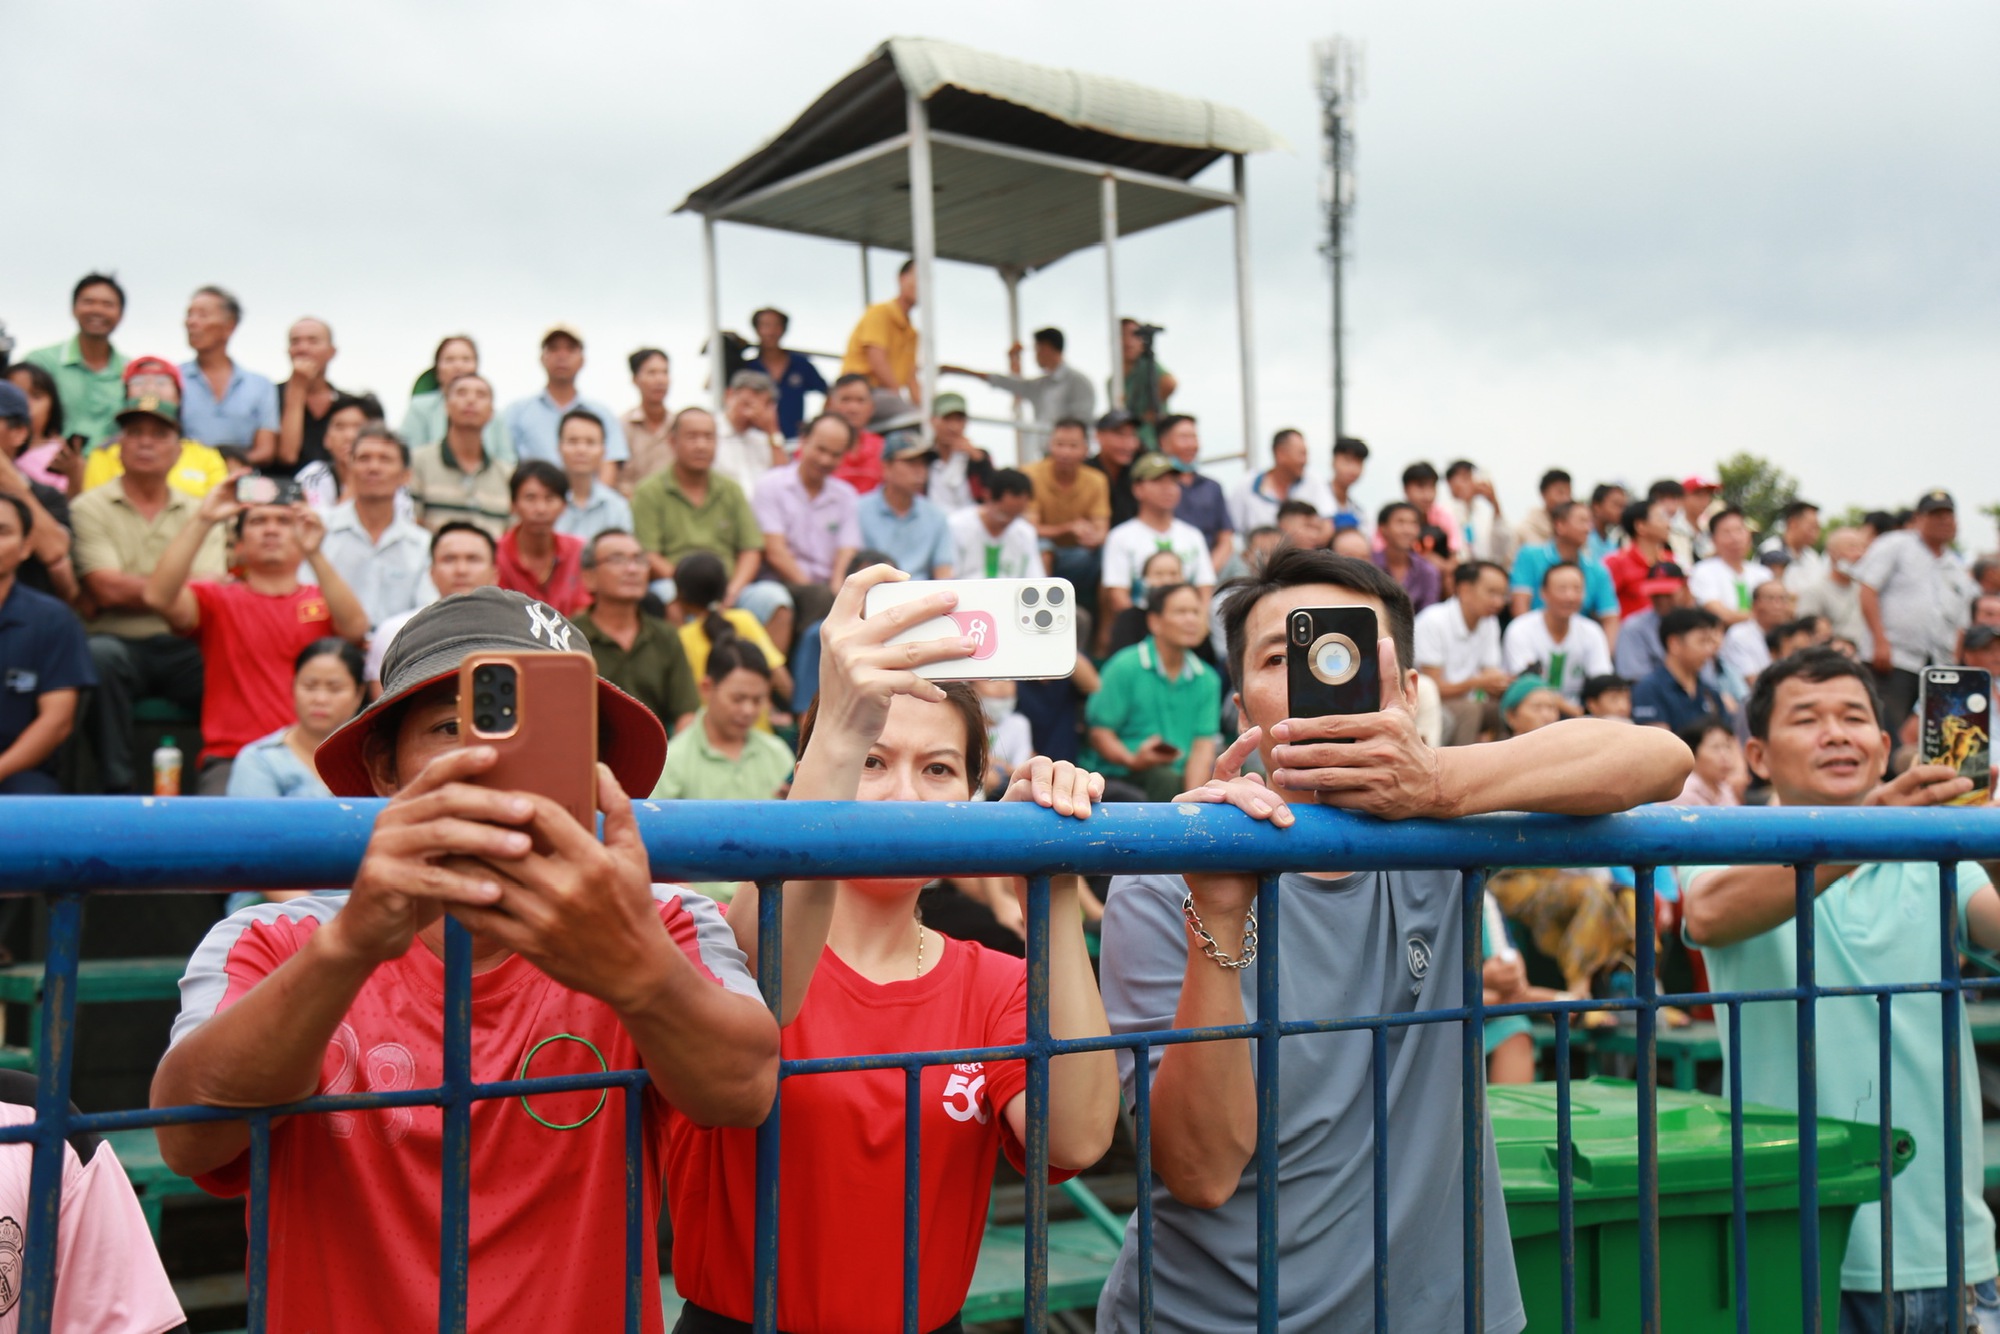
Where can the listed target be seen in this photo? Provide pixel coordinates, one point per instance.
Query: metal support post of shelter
(1246, 346)
(1109, 195)
(867, 287)
(711, 297)
(923, 247)
(1010, 276)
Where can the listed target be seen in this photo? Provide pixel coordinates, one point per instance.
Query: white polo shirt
(1446, 643)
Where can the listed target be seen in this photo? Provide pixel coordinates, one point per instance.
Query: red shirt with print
(840, 1243)
(564, 588)
(355, 1197)
(249, 641)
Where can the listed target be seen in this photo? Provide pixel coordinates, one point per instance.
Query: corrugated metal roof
(995, 210)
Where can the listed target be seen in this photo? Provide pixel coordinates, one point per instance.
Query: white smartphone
(1025, 628)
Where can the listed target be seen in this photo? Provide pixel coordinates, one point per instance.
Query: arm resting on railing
(1583, 766)
(1205, 1093)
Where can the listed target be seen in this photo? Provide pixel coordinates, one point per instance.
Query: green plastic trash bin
(1697, 1283)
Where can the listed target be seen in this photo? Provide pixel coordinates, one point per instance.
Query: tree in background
(1758, 487)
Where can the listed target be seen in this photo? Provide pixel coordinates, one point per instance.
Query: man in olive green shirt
(691, 507)
(89, 372)
(640, 654)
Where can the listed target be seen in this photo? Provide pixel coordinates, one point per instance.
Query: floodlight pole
(923, 243)
(1108, 193)
(712, 305)
(1011, 276)
(1246, 341)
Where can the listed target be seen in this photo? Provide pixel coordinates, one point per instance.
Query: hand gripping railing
(65, 848)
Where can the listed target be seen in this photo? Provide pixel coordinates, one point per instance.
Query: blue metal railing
(65, 848)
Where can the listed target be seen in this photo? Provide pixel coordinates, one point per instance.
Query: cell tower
(1337, 76)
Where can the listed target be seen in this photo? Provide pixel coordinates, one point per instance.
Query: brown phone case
(549, 747)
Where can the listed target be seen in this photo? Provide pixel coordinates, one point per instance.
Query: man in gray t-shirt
(1353, 945)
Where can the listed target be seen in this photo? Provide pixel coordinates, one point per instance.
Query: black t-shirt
(32, 573)
(1123, 506)
(312, 445)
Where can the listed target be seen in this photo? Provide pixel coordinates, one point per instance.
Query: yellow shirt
(1087, 497)
(198, 470)
(885, 325)
(694, 643)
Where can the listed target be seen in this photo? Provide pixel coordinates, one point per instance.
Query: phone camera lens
(1029, 597)
(1043, 620)
(1055, 597)
(484, 699)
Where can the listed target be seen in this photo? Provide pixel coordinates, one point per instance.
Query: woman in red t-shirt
(863, 975)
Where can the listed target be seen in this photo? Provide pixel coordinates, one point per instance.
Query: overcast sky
(1626, 239)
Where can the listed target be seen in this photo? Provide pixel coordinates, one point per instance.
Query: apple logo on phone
(982, 629)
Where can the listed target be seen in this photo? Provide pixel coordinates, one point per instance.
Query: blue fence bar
(65, 848)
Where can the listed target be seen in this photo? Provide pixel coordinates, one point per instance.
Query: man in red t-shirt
(1649, 523)
(532, 556)
(577, 958)
(251, 628)
(853, 402)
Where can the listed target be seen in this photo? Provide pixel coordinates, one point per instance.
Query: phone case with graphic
(1025, 629)
(1333, 663)
(1956, 706)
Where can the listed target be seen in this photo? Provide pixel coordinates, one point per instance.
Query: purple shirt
(814, 527)
(1421, 581)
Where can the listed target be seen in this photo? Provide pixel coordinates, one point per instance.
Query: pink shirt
(34, 461)
(111, 1278)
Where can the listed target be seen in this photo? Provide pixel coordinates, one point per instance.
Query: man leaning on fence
(1816, 735)
(573, 949)
(1355, 944)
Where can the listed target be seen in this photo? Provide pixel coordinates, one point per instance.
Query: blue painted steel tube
(1268, 1018)
(123, 843)
(1035, 1223)
(913, 1191)
(1472, 1099)
(1379, 1070)
(258, 1296)
(1565, 1177)
(635, 1214)
(1954, 1121)
(1142, 1150)
(455, 1272)
(1739, 1190)
(1885, 1058)
(1649, 1101)
(1806, 899)
(770, 981)
(52, 1121)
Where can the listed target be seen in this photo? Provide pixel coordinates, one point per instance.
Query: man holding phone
(250, 629)
(577, 958)
(1357, 943)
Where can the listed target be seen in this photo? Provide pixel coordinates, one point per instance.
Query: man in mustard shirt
(883, 346)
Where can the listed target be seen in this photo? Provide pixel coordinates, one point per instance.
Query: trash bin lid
(1693, 1138)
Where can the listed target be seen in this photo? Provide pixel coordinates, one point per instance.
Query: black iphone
(1333, 662)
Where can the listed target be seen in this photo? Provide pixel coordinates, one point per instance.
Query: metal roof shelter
(946, 152)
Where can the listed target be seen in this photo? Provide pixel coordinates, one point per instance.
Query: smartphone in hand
(1333, 662)
(1956, 705)
(1024, 629)
(539, 710)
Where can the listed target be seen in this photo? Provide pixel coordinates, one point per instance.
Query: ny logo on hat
(545, 622)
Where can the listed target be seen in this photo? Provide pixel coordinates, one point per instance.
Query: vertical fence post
(454, 1269)
(1268, 935)
(1954, 1120)
(635, 1161)
(770, 980)
(1565, 1176)
(1472, 1102)
(1806, 896)
(1649, 1101)
(913, 1194)
(258, 1288)
(1739, 1196)
(1886, 1149)
(1142, 1150)
(52, 1077)
(1035, 1222)
(1379, 1035)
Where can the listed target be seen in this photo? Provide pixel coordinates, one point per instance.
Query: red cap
(154, 366)
(1700, 483)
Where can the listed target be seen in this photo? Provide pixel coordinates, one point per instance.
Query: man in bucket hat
(579, 962)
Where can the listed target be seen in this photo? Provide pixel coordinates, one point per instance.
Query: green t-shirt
(666, 521)
(697, 771)
(1136, 700)
(1878, 925)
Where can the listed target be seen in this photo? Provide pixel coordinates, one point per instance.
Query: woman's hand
(1057, 785)
(860, 671)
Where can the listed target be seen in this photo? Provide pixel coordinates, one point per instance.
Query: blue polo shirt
(42, 648)
(249, 404)
(1204, 505)
(1600, 595)
(1659, 699)
(801, 378)
(917, 542)
(532, 426)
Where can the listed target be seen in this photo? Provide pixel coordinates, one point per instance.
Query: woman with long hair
(863, 974)
(424, 421)
(47, 457)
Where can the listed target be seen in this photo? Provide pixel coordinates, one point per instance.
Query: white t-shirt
(1583, 653)
(1744, 649)
(1713, 581)
(381, 637)
(1131, 542)
(1015, 554)
(1252, 503)
(949, 487)
(742, 458)
(1444, 642)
